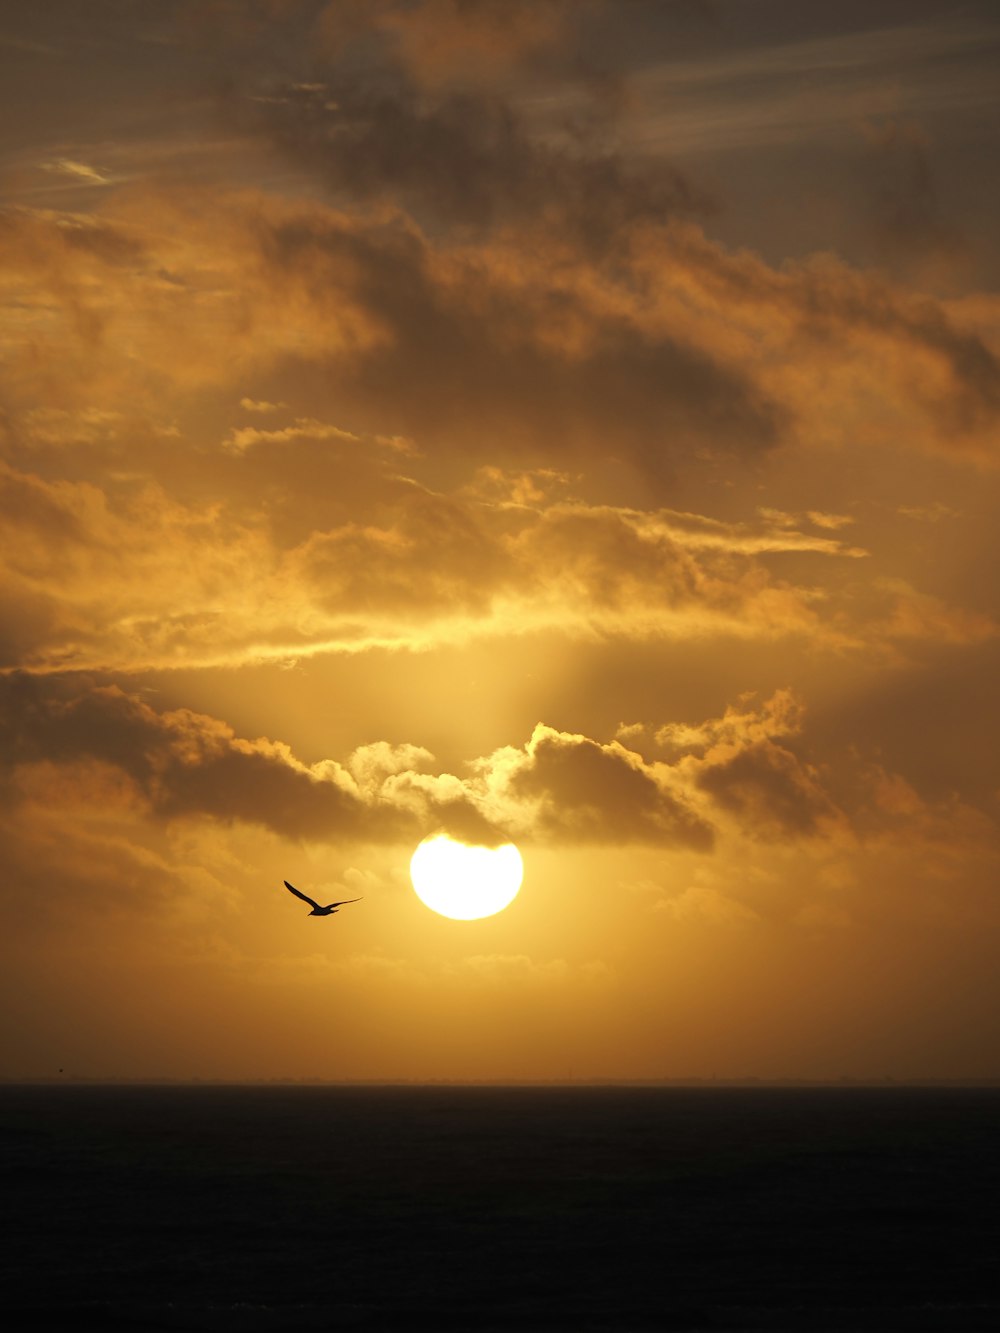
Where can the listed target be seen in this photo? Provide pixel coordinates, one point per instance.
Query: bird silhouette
(328, 910)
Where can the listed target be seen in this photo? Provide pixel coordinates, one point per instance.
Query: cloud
(179, 765)
(817, 517)
(418, 104)
(748, 766)
(477, 346)
(465, 160)
(872, 338)
(78, 171)
(582, 791)
(102, 774)
(318, 544)
(911, 614)
(697, 532)
(73, 874)
(429, 557)
(522, 349)
(436, 386)
(929, 513)
(770, 791)
(396, 123)
(831, 521)
(260, 405)
(371, 764)
(185, 764)
(742, 724)
(247, 437)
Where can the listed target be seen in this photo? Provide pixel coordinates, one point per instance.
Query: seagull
(328, 910)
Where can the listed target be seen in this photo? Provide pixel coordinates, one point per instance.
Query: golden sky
(558, 421)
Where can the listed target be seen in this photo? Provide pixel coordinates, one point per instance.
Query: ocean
(485, 1208)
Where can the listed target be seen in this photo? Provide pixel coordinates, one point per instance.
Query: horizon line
(842, 1080)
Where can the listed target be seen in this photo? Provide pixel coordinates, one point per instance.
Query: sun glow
(465, 882)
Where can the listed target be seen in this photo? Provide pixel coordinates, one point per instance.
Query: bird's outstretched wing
(305, 898)
(347, 900)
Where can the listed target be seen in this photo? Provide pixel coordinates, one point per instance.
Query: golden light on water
(465, 882)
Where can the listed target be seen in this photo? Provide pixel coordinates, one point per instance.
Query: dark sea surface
(479, 1208)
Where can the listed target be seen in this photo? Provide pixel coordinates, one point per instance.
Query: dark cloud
(422, 106)
(962, 401)
(467, 161)
(516, 354)
(183, 763)
(833, 310)
(468, 354)
(770, 790)
(180, 764)
(463, 822)
(595, 793)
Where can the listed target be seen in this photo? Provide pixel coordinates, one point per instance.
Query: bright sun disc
(465, 882)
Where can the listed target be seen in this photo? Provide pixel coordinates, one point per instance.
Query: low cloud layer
(740, 775)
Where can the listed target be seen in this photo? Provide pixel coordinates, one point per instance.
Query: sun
(464, 882)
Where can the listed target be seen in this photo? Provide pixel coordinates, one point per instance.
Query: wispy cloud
(78, 171)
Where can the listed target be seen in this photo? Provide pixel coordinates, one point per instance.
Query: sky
(563, 422)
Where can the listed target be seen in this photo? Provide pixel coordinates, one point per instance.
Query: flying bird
(328, 910)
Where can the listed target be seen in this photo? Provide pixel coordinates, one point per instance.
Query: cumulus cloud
(748, 765)
(743, 723)
(179, 764)
(572, 788)
(743, 771)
